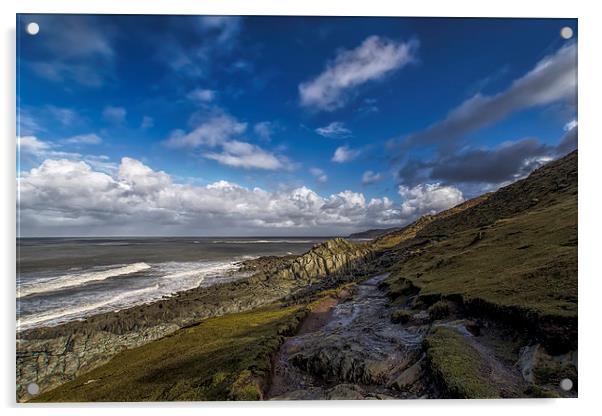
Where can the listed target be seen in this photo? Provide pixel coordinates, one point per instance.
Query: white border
(590, 277)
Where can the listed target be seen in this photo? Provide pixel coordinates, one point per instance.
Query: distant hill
(374, 233)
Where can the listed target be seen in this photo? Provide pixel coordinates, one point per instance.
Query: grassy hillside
(223, 358)
(513, 255)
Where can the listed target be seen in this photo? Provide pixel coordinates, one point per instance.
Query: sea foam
(77, 279)
(58, 315)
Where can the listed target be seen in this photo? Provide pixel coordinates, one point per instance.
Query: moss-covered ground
(457, 366)
(527, 262)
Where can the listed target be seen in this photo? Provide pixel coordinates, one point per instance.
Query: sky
(274, 126)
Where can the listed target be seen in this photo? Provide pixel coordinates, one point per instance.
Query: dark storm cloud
(492, 166)
(507, 162)
(568, 142)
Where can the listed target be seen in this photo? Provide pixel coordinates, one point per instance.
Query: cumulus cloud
(114, 114)
(344, 154)
(428, 199)
(246, 155)
(336, 129)
(33, 150)
(222, 131)
(31, 144)
(369, 177)
(73, 198)
(319, 174)
(201, 95)
(553, 79)
(372, 60)
(89, 138)
(212, 132)
(32, 147)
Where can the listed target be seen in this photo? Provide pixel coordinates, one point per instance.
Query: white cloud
(65, 116)
(372, 60)
(319, 174)
(369, 177)
(226, 28)
(345, 154)
(141, 179)
(201, 95)
(114, 114)
(214, 131)
(27, 124)
(31, 146)
(570, 125)
(221, 131)
(336, 129)
(90, 138)
(33, 150)
(428, 199)
(66, 197)
(246, 155)
(264, 129)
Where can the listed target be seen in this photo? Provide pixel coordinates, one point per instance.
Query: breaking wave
(77, 279)
(64, 314)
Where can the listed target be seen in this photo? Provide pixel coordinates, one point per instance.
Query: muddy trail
(352, 350)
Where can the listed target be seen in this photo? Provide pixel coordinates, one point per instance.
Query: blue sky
(208, 125)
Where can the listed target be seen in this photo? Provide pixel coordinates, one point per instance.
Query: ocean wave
(263, 241)
(199, 269)
(78, 279)
(55, 316)
(164, 280)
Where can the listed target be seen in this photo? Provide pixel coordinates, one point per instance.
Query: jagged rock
(345, 392)
(409, 376)
(327, 259)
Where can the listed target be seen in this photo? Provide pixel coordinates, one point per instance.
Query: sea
(65, 279)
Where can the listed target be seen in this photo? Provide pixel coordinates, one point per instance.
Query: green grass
(224, 358)
(457, 366)
(527, 262)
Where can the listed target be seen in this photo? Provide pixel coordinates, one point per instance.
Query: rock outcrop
(330, 258)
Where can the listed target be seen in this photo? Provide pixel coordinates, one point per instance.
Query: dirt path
(351, 350)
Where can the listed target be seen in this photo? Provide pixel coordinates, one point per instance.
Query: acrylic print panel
(292, 208)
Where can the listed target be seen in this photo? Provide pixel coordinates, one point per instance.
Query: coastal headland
(479, 301)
